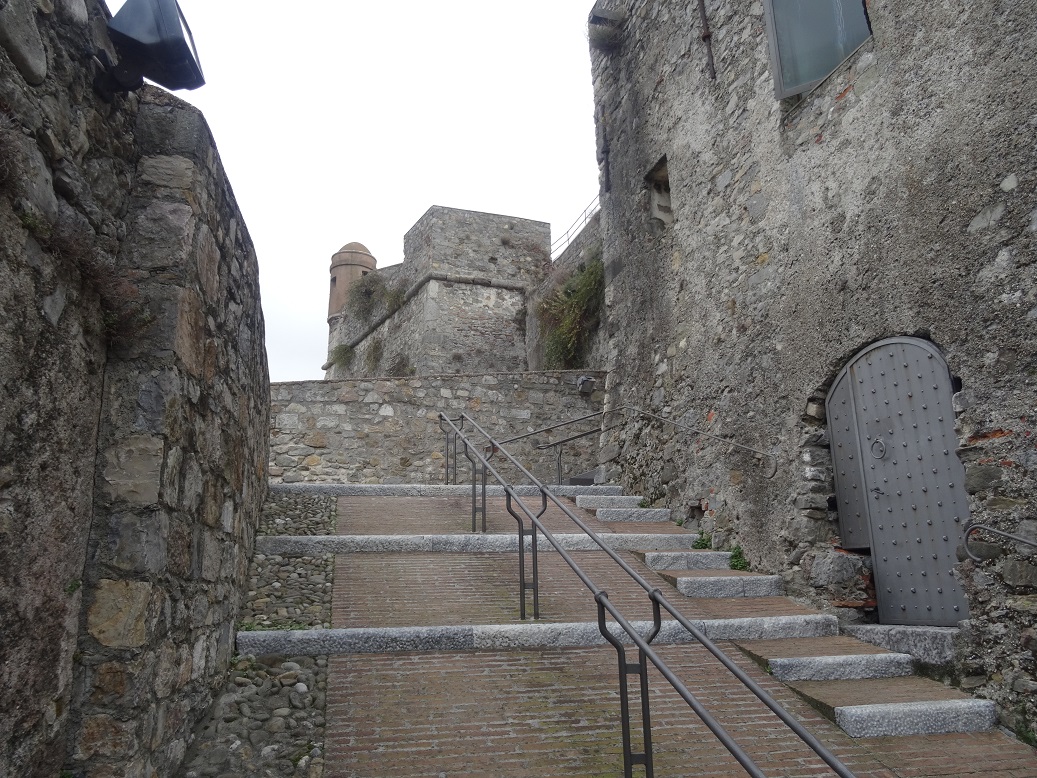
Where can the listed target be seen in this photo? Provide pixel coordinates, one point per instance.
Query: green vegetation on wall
(370, 293)
(342, 356)
(570, 314)
(373, 355)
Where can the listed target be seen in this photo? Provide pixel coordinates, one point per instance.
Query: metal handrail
(647, 414)
(559, 425)
(561, 243)
(1000, 533)
(646, 653)
(557, 446)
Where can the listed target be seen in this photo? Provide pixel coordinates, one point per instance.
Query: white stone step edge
(916, 718)
(661, 559)
(316, 545)
(844, 667)
(929, 645)
(433, 490)
(732, 586)
(314, 642)
(594, 501)
(633, 514)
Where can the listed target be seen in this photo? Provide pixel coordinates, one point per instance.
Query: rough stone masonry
(133, 405)
(753, 245)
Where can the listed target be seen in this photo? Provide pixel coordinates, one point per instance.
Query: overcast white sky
(344, 121)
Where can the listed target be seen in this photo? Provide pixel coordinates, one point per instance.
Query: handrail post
(482, 508)
(625, 670)
(521, 556)
(536, 547)
(558, 464)
(475, 470)
(646, 714)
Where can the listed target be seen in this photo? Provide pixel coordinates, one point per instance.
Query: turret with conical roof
(348, 265)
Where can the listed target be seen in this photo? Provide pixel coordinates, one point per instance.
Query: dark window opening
(811, 38)
(658, 181)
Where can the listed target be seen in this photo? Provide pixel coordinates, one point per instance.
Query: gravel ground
(268, 723)
(288, 592)
(298, 514)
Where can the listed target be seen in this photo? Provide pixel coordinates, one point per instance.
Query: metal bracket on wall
(707, 37)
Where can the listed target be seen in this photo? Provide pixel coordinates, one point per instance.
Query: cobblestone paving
(269, 722)
(288, 593)
(298, 514)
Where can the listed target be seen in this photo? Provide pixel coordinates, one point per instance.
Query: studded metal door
(899, 484)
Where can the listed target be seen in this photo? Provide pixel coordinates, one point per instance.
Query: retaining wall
(386, 430)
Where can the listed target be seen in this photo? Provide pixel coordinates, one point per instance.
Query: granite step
(594, 501)
(518, 636)
(435, 490)
(661, 558)
(317, 545)
(727, 583)
(881, 707)
(633, 514)
(836, 658)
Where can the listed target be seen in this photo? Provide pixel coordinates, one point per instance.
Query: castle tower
(348, 265)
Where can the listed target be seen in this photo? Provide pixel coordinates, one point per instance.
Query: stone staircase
(866, 690)
(383, 639)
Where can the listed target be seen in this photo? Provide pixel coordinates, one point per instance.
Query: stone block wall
(132, 466)
(386, 430)
(897, 198)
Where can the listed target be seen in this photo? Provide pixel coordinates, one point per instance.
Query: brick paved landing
(425, 590)
(448, 516)
(398, 590)
(528, 714)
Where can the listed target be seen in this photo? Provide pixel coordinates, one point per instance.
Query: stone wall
(132, 466)
(458, 302)
(386, 430)
(897, 198)
(480, 245)
(449, 324)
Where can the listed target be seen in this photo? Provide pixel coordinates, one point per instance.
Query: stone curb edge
(432, 490)
(315, 545)
(504, 637)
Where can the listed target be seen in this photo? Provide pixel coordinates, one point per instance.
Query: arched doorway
(899, 484)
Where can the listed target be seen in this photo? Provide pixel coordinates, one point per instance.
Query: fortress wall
(469, 274)
(898, 198)
(486, 245)
(385, 430)
(449, 327)
(133, 400)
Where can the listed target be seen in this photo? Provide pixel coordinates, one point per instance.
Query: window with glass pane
(811, 38)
